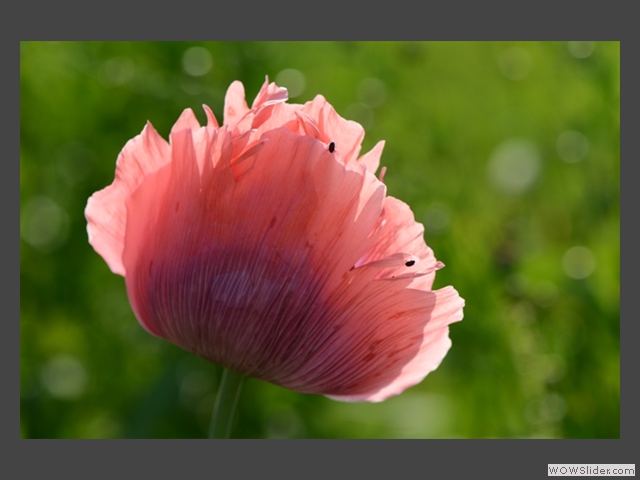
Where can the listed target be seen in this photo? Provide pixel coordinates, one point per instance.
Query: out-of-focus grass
(507, 152)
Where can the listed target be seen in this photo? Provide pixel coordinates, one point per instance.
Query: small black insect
(332, 147)
(410, 263)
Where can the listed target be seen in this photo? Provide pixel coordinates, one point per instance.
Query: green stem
(226, 401)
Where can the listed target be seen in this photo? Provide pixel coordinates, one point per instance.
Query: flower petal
(211, 118)
(399, 232)
(187, 120)
(435, 344)
(235, 105)
(372, 158)
(269, 94)
(106, 210)
(346, 134)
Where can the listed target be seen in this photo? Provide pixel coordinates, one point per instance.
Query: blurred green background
(507, 152)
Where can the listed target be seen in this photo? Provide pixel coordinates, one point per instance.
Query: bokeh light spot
(419, 415)
(293, 80)
(581, 49)
(436, 219)
(194, 386)
(197, 61)
(284, 422)
(523, 312)
(553, 368)
(514, 63)
(103, 426)
(572, 146)
(553, 408)
(372, 92)
(43, 224)
(578, 262)
(361, 113)
(64, 377)
(514, 166)
(116, 71)
(73, 162)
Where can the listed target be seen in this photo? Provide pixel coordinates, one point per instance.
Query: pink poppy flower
(267, 245)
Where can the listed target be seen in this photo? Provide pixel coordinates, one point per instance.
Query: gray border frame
(566, 20)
